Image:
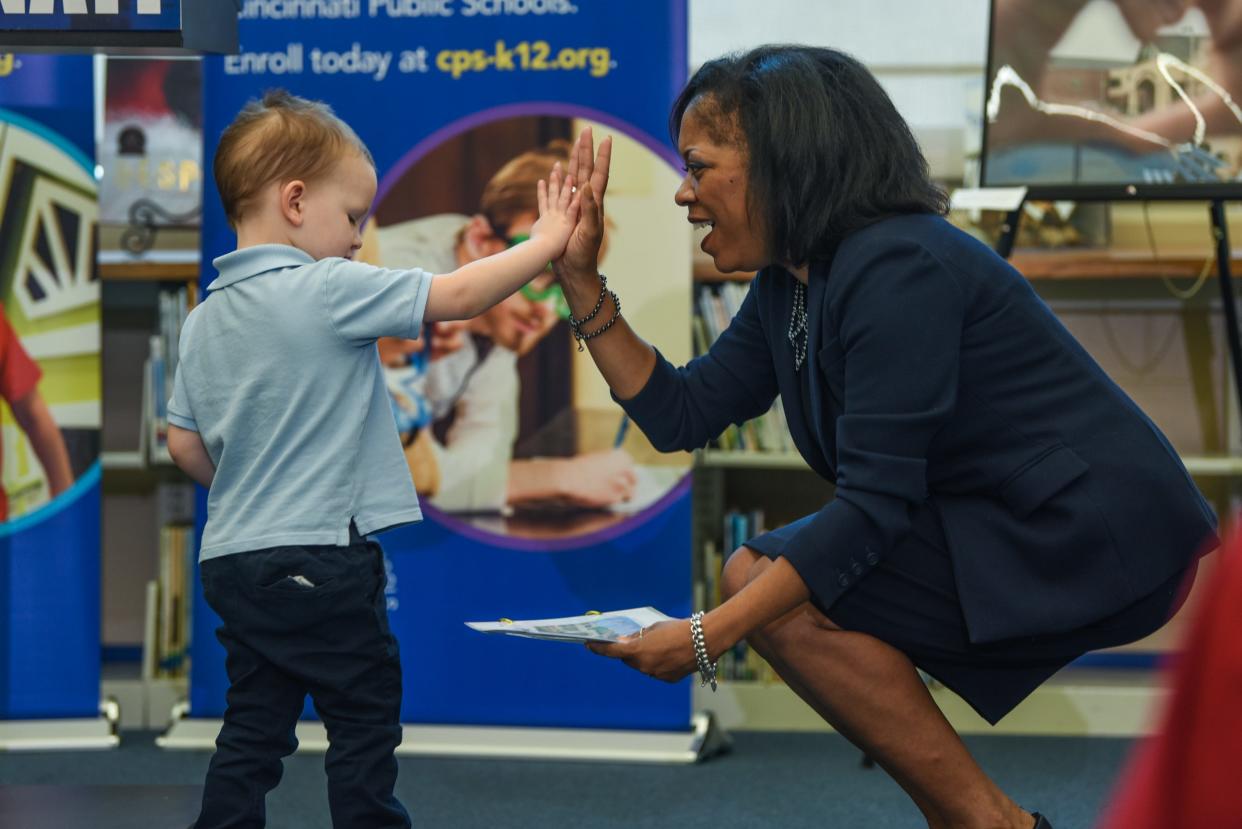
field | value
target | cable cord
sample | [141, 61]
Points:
[1193, 290]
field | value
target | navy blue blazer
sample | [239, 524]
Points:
[939, 377]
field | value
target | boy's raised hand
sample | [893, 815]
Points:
[558, 212]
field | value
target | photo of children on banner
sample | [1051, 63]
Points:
[49, 311]
[19, 386]
[499, 385]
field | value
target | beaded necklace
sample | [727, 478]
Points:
[798, 333]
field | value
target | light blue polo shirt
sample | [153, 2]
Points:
[280, 376]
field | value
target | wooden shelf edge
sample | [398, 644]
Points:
[132, 459]
[1066, 264]
[706, 272]
[734, 459]
[1203, 466]
[1213, 465]
[1070, 704]
[152, 271]
[1114, 264]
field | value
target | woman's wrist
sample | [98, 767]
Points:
[577, 280]
[720, 631]
[581, 290]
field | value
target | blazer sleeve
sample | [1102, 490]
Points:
[898, 312]
[683, 408]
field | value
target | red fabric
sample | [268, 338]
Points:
[137, 87]
[1189, 775]
[18, 377]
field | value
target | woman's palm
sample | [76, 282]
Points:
[582, 251]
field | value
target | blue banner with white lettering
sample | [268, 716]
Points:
[91, 15]
[50, 385]
[538, 499]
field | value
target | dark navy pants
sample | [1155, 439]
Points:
[298, 621]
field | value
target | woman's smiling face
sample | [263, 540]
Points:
[716, 189]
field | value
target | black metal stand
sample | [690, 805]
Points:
[1009, 232]
[1220, 230]
[143, 213]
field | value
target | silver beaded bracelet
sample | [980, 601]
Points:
[707, 668]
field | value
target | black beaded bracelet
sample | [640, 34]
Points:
[582, 336]
[599, 303]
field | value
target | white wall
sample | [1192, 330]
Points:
[928, 54]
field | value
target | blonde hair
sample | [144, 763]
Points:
[278, 139]
[511, 191]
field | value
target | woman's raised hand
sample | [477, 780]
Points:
[581, 257]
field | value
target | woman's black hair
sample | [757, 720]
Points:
[828, 152]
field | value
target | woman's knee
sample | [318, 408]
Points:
[737, 572]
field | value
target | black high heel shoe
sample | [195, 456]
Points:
[1041, 822]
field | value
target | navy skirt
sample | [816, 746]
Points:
[910, 601]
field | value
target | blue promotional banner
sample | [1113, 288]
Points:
[91, 15]
[50, 385]
[539, 501]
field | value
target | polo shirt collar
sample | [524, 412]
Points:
[247, 262]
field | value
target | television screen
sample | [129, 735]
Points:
[1114, 98]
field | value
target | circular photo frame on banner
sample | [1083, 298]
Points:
[509, 432]
[49, 318]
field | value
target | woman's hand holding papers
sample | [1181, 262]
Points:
[663, 650]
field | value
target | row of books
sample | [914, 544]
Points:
[168, 604]
[738, 527]
[161, 367]
[715, 305]
[740, 662]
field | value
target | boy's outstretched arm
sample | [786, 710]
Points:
[473, 288]
[189, 453]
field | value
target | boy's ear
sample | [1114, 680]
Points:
[478, 239]
[291, 195]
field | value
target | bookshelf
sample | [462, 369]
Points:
[155, 297]
[148, 504]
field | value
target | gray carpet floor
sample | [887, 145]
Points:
[768, 780]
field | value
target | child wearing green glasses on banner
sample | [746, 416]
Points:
[543, 288]
[471, 386]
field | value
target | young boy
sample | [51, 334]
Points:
[279, 407]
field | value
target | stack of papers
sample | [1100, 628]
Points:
[593, 627]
